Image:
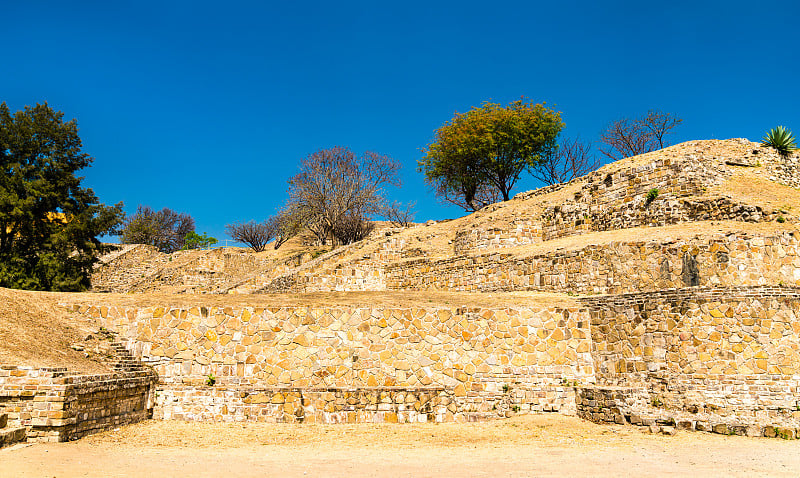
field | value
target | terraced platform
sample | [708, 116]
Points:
[661, 290]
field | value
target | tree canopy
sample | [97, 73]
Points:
[164, 229]
[479, 155]
[49, 224]
[336, 191]
[256, 235]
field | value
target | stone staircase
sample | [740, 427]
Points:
[10, 435]
[124, 360]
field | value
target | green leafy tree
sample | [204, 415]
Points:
[194, 240]
[49, 224]
[479, 155]
[164, 229]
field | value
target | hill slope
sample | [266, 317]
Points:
[698, 195]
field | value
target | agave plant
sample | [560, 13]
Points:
[781, 139]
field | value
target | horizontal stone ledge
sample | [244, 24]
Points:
[706, 292]
[248, 388]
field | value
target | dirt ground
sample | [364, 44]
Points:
[539, 445]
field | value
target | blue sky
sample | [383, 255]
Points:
[207, 107]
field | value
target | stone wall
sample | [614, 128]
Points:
[490, 360]
[616, 200]
[731, 351]
[57, 406]
[619, 199]
[627, 405]
[297, 405]
[725, 354]
[617, 267]
[325, 274]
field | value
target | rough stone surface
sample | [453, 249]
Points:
[49, 404]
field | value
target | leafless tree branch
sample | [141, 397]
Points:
[628, 137]
[571, 159]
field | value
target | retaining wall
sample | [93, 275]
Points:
[614, 268]
[730, 351]
[484, 357]
[57, 406]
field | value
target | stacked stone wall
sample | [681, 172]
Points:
[295, 405]
[619, 200]
[490, 360]
[129, 266]
[617, 267]
[728, 351]
[57, 406]
[634, 406]
[725, 354]
[364, 273]
[520, 232]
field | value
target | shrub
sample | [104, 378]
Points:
[351, 228]
[781, 139]
[255, 235]
[651, 196]
[194, 240]
[164, 229]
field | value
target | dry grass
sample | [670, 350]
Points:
[747, 186]
[404, 299]
[35, 332]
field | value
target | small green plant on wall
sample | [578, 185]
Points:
[651, 196]
[780, 138]
[211, 380]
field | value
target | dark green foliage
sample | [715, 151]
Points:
[164, 229]
[49, 224]
[781, 139]
[194, 240]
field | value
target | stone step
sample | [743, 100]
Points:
[9, 436]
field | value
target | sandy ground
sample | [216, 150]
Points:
[544, 445]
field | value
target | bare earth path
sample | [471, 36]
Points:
[522, 446]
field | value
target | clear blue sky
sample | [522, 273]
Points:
[207, 107]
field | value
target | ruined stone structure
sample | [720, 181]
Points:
[717, 355]
[55, 405]
[695, 328]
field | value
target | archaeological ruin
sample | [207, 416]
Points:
[661, 291]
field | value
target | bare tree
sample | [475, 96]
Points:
[571, 159]
[352, 228]
[334, 186]
[400, 215]
[628, 137]
[256, 235]
[288, 224]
